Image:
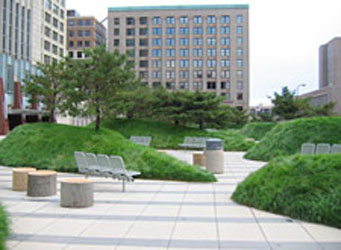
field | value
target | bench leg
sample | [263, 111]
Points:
[123, 185]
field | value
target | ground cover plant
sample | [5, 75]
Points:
[257, 130]
[167, 135]
[301, 186]
[286, 138]
[51, 146]
[4, 227]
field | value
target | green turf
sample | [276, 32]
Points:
[257, 130]
[166, 135]
[300, 186]
[286, 138]
[51, 146]
[4, 227]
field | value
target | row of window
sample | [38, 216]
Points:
[210, 19]
[224, 63]
[79, 22]
[184, 74]
[51, 33]
[79, 44]
[55, 8]
[185, 52]
[171, 31]
[80, 33]
[55, 22]
[53, 48]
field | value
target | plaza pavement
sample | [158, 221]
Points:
[158, 215]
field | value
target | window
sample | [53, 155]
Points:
[170, 74]
[71, 44]
[211, 19]
[211, 63]
[48, 19]
[156, 74]
[143, 42]
[211, 85]
[131, 52]
[211, 30]
[80, 22]
[197, 85]
[71, 33]
[211, 74]
[47, 59]
[80, 43]
[170, 85]
[184, 52]
[87, 43]
[55, 9]
[87, 22]
[170, 20]
[184, 41]
[211, 41]
[80, 33]
[130, 32]
[156, 63]
[184, 31]
[197, 19]
[143, 20]
[197, 74]
[47, 45]
[157, 42]
[225, 52]
[197, 63]
[239, 85]
[184, 85]
[197, 52]
[239, 29]
[170, 31]
[225, 74]
[239, 18]
[61, 26]
[116, 42]
[130, 42]
[184, 63]
[170, 42]
[143, 31]
[170, 52]
[116, 32]
[225, 19]
[197, 30]
[130, 21]
[239, 96]
[239, 40]
[170, 63]
[61, 52]
[222, 85]
[239, 52]
[183, 74]
[225, 30]
[47, 31]
[157, 20]
[143, 64]
[156, 52]
[79, 54]
[71, 54]
[48, 4]
[211, 52]
[143, 74]
[197, 41]
[87, 33]
[143, 52]
[54, 49]
[239, 73]
[184, 20]
[225, 41]
[156, 84]
[239, 63]
[55, 22]
[157, 31]
[61, 39]
[116, 21]
[225, 63]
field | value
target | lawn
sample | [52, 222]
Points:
[257, 130]
[4, 227]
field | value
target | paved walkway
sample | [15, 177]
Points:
[158, 215]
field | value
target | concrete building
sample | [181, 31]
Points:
[31, 32]
[83, 32]
[190, 47]
[329, 76]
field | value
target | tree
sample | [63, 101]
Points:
[97, 81]
[48, 86]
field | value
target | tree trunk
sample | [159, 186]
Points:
[201, 125]
[98, 120]
[52, 118]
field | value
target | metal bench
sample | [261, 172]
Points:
[194, 142]
[141, 140]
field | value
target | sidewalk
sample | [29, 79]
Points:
[158, 215]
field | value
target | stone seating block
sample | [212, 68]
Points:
[77, 193]
[42, 183]
[19, 178]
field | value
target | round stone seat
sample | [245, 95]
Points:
[76, 193]
[42, 183]
[199, 159]
[19, 178]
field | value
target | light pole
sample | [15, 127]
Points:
[298, 87]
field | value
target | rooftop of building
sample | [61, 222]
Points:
[180, 7]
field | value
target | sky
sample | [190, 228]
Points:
[285, 36]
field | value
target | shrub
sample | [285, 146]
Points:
[257, 130]
[4, 227]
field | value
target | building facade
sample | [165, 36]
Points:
[191, 47]
[83, 32]
[31, 32]
[329, 76]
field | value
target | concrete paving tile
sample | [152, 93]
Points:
[38, 246]
[240, 232]
[198, 211]
[285, 232]
[151, 230]
[29, 225]
[116, 229]
[191, 231]
[295, 245]
[139, 247]
[88, 247]
[323, 233]
[157, 210]
[66, 227]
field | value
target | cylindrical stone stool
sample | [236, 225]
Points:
[42, 183]
[19, 178]
[199, 159]
[214, 155]
[76, 193]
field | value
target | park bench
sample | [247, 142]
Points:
[194, 142]
[104, 166]
[141, 140]
[320, 148]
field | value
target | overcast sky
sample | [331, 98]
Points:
[284, 37]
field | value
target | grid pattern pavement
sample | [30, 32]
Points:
[158, 215]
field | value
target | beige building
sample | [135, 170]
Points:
[83, 32]
[329, 76]
[190, 47]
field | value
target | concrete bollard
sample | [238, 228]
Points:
[214, 155]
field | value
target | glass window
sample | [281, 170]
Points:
[156, 52]
[157, 20]
[211, 19]
[61, 39]
[157, 31]
[197, 63]
[211, 63]
[211, 30]
[71, 33]
[184, 52]
[143, 52]
[80, 43]
[143, 74]
[184, 63]
[54, 49]
[170, 85]
[130, 21]
[197, 41]
[239, 40]
[211, 41]
[239, 52]
[156, 74]
[225, 30]
[184, 85]
[55, 22]
[116, 20]
[116, 32]
[87, 33]
[184, 41]
[170, 63]
[225, 41]
[211, 85]
[55, 8]
[156, 63]
[197, 85]
[197, 19]
[143, 31]
[157, 42]
[131, 52]
[184, 20]
[156, 85]
[61, 26]
[211, 52]
[130, 32]
[184, 31]
[143, 63]
[225, 63]
[197, 30]
[225, 19]
[47, 45]
[239, 29]
[170, 20]
[239, 18]
[225, 74]
[225, 52]
[48, 4]
[48, 19]
[47, 31]
[71, 44]
[143, 42]
[143, 20]
[88, 22]
[80, 33]
[197, 74]
[170, 31]
[117, 42]
[239, 73]
[170, 74]
[183, 74]
[239, 63]
[170, 52]
[240, 96]
[80, 22]
[170, 42]
[197, 52]
[240, 85]
[130, 42]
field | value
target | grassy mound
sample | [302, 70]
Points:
[51, 146]
[286, 138]
[4, 227]
[166, 135]
[300, 186]
[257, 130]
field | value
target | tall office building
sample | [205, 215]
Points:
[190, 47]
[31, 31]
[83, 32]
[329, 76]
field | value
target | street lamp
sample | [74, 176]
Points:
[298, 86]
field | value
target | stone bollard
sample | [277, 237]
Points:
[76, 193]
[42, 183]
[214, 156]
[19, 178]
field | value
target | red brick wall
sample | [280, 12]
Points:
[17, 96]
[3, 120]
